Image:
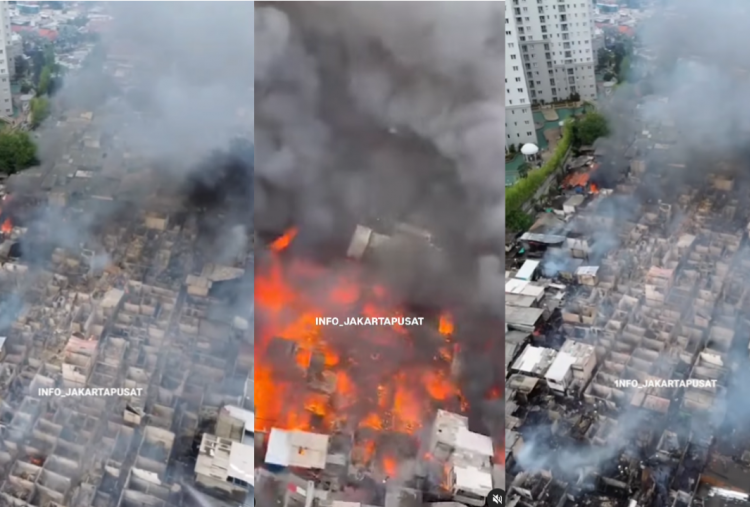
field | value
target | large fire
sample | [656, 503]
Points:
[329, 378]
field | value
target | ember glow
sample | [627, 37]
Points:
[379, 378]
[284, 241]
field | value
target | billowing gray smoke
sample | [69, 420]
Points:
[570, 460]
[705, 71]
[189, 101]
[353, 99]
[697, 83]
[194, 88]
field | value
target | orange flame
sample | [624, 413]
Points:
[594, 188]
[445, 326]
[439, 387]
[7, 226]
[499, 455]
[390, 466]
[334, 377]
[282, 243]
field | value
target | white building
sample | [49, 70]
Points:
[467, 457]
[574, 364]
[6, 100]
[555, 38]
[225, 465]
[226, 461]
[519, 121]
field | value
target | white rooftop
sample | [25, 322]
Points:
[447, 427]
[527, 270]
[473, 480]
[242, 462]
[523, 288]
[474, 442]
[298, 449]
[560, 367]
[535, 360]
[243, 415]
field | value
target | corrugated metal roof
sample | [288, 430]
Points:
[526, 317]
[549, 239]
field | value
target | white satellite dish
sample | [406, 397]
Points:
[529, 149]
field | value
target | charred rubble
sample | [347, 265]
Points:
[340, 460]
[109, 286]
[640, 274]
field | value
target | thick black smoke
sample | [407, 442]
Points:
[225, 180]
[379, 113]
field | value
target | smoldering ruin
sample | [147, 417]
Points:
[639, 277]
[126, 262]
[376, 193]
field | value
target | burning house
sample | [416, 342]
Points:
[336, 417]
[364, 212]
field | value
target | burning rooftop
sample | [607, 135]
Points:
[342, 405]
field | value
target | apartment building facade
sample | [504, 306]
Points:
[555, 39]
[6, 99]
[519, 121]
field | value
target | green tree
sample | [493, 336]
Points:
[45, 79]
[49, 58]
[589, 128]
[39, 111]
[518, 221]
[17, 151]
[523, 171]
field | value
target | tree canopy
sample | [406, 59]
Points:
[589, 128]
[39, 111]
[17, 151]
[45, 79]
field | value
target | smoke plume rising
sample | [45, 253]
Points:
[696, 82]
[380, 113]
